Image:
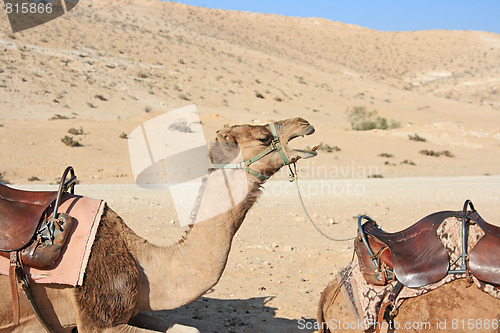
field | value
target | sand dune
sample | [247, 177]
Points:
[108, 66]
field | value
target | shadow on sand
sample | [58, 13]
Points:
[251, 315]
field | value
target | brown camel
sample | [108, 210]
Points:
[126, 275]
[453, 307]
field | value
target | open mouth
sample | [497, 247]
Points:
[309, 151]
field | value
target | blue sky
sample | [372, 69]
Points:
[401, 15]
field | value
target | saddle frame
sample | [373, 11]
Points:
[466, 216]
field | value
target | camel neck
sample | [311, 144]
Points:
[181, 273]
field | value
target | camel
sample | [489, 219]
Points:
[454, 307]
[126, 275]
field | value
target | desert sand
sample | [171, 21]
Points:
[108, 66]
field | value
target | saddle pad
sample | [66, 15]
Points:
[70, 267]
[371, 297]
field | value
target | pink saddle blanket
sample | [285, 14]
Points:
[70, 267]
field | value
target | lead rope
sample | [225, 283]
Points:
[294, 176]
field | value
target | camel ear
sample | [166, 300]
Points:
[224, 135]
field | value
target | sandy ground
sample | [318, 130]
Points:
[279, 264]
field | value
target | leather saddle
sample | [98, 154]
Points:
[25, 221]
[20, 214]
[484, 261]
[33, 232]
[416, 257]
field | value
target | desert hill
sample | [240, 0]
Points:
[100, 71]
[108, 66]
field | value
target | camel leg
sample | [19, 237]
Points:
[182, 329]
[140, 323]
[126, 328]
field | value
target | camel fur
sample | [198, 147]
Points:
[457, 306]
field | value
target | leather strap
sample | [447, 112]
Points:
[280, 148]
[26, 288]
[390, 301]
[380, 316]
[13, 287]
[17, 276]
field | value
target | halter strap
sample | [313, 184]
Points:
[279, 148]
[245, 165]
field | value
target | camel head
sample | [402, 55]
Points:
[264, 148]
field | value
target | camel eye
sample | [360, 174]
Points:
[265, 140]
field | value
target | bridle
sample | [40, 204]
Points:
[245, 165]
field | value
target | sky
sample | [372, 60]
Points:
[385, 15]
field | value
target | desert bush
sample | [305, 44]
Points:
[58, 117]
[33, 179]
[416, 137]
[363, 120]
[446, 153]
[123, 135]
[184, 97]
[142, 75]
[75, 131]
[387, 155]
[300, 79]
[376, 175]
[69, 141]
[101, 97]
[181, 126]
[326, 147]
